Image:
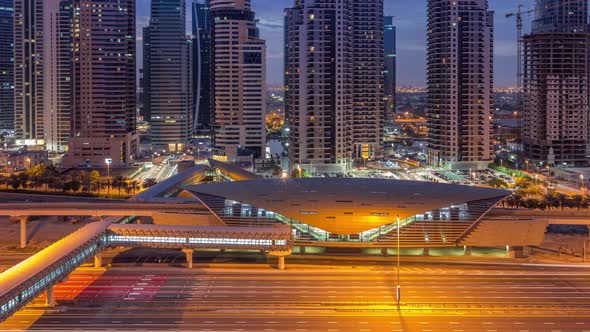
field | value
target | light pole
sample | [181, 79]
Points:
[398, 288]
[108, 161]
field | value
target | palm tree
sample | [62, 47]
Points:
[561, 200]
[4, 181]
[550, 200]
[134, 185]
[119, 182]
[149, 182]
[578, 201]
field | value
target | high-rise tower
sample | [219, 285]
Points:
[170, 76]
[238, 79]
[6, 64]
[334, 82]
[103, 78]
[57, 78]
[555, 83]
[28, 71]
[389, 42]
[146, 80]
[202, 64]
[460, 83]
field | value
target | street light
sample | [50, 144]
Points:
[398, 288]
[108, 161]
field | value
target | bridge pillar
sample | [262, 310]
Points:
[23, 231]
[98, 260]
[515, 252]
[426, 252]
[189, 257]
[467, 251]
[384, 251]
[281, 262]
[50, 299]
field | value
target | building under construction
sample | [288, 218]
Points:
[556, 65]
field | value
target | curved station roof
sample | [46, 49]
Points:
[347, 205]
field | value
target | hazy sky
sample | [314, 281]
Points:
[411, 37]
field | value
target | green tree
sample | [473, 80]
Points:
[14, 181]
[532, 203]
[578, 201]
[72, 185]
[94, 179]
[4, 181]
[149, 182]
[497, 183]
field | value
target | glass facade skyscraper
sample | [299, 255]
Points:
[6, 64]
[201, 28]
[170, 76]
[389, 43]
[28, 71]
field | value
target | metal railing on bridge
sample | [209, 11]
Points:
[25, 281]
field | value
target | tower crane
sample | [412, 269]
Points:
[518, 14]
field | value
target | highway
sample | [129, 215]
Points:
[250, 297]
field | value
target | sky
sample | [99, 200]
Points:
[410, 18]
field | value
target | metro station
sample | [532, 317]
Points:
[221, 207]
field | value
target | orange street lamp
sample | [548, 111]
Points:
[398, 288]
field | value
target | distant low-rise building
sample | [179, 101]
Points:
[20, 160]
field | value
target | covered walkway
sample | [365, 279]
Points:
[25, 281]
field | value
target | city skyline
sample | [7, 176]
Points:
[411, 37]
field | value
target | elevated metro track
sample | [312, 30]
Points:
[98, 209]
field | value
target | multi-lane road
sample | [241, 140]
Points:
[230, 297]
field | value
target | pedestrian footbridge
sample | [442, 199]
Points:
[25, 281]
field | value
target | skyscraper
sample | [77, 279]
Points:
[28, 70]
[201, 25]
[367, 82]
[460, 83]
[170, 76]
[334, 82]
[6, 64]
[146, 80]
[57, 78]
[238, 79]
[389, 40]
[555, 83]
[103, 76]
[560, 16]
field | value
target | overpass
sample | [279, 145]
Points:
[96, 209]
[551, 217]
[22, 283]
[519, 227]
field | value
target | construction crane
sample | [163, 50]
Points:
[518, 14]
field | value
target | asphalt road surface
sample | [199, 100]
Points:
[230, 297]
